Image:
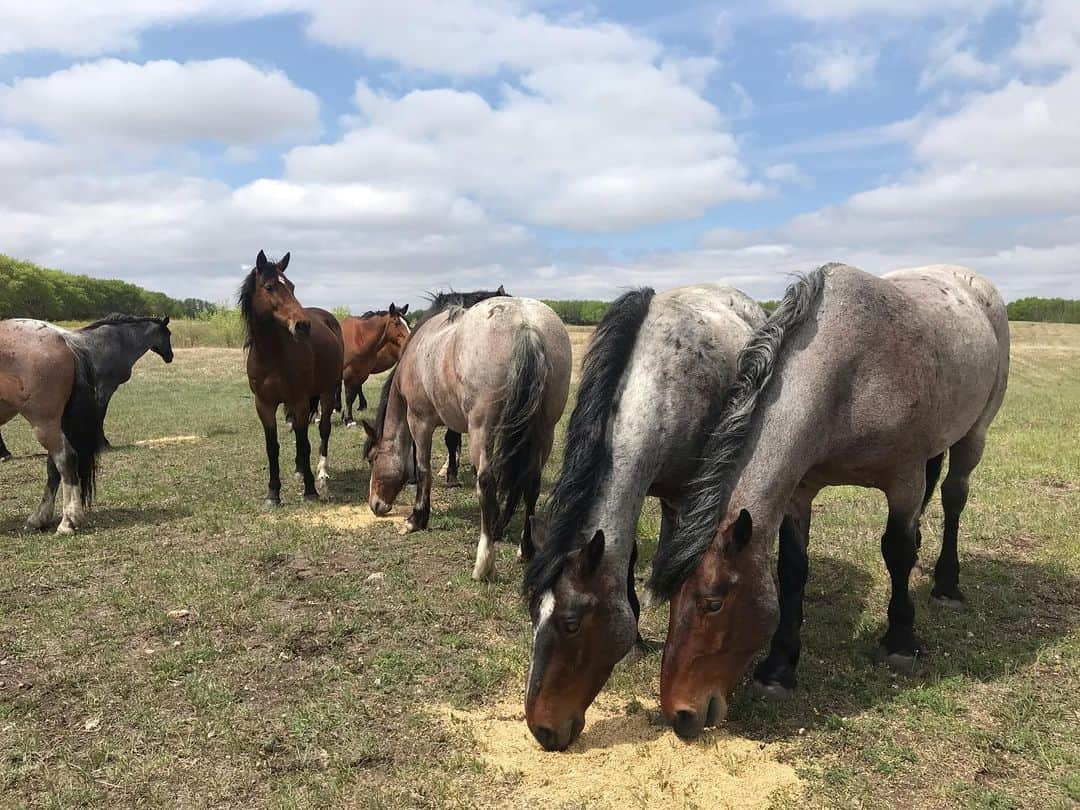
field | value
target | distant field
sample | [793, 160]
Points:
[189, 649]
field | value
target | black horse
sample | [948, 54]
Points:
[438, 303]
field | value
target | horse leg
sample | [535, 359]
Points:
[301, 420]
[69, 473]
[453, 449]
[487, 494]
[105, 443]
[775, 677]
[901, 646]
[325, 419]
[532, 494]
[43, 517]
[421, 435]
[5, 454]
[268, 417]
[933, 472]
[347, 413]
[964, 456]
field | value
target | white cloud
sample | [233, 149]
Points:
[1051, 37]
[85, 28]
[952, 58]
[834, 67]
[163, 103]
[848, 9]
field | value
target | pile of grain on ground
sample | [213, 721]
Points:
[163, 441]
[624, 758]
[348, 518]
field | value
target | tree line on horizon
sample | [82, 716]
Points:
[30, 291]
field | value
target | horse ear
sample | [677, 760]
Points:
[393, 309]
[741, 531]
[501, 290]
[594, 551]
[283, 263]
[261, 262]
[403, 311]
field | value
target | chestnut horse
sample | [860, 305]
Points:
[294, 358]
[499, 371]
[854, 380]
[373, 343]
[47, 377]
[650, 381]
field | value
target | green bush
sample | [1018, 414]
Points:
[1054, 310]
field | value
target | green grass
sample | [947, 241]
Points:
[294, 682]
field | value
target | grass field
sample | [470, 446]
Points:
[189, 649]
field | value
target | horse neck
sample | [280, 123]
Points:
[267, 335]
[395, 424]
[115, 348]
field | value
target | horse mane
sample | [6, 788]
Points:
[117, 319]
[442, 301]
[374, 313]
[708, 494]
[247, 312]
[588, 452]
[384, 401]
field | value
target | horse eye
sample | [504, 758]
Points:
[714, 605]
[268, 287]
[571, 626]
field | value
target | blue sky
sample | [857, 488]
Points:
[563, 150]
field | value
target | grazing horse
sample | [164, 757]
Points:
[437, 303]
[854, 380]
[47, 377]
[499, 371]
[655, 371]
[373, 343]
[294, 358]
[114, 344]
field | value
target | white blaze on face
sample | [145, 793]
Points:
[547, 607]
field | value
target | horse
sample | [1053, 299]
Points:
[854, 380]
[48, 378]
[114, 344]
[500, 371]
[5, 454]
[294, 358]
[437, 302]
[654, 371]
[373, 344]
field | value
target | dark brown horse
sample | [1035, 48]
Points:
[854, 380]
[373, 343]
[48, 377]
[294, 358]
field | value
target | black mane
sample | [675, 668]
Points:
[708, 495]
[374, 313]
[588, 454]
[247, 291]
[116, 319]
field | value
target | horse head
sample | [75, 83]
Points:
[268, 296]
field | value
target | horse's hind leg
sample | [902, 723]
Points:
[325, 420]
[43, 517]
[5, 454]
[487, 494]
[347, 419]
[453, 449]
[775, 677]
[933, 473]
[964, 456]
[902, 648]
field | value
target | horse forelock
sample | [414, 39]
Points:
[587, 456]
[708, 494]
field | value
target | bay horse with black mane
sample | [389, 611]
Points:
[499, 371]
[294, 358]
[654, 374]
[373, 343]
[854, 380]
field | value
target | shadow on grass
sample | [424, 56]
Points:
[1015, 608]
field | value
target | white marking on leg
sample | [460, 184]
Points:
[485, 557]
[444, 468]
[324, 472]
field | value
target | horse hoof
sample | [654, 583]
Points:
[481, 576]
[272, 503]
[65, 528]
[36, 526]
[452, 482]
[410, 527]
[770, 691]
[948, 602]
[5, 457]
[312, 497]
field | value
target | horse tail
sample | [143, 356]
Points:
[82, 422]
[516, 452]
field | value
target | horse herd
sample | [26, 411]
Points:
[733, 419]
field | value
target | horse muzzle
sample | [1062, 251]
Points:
[379, 507]
[689, 724]
[551, 739]
[301, 330]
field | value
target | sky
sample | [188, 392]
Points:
[564, 150]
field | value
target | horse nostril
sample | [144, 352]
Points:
[547, 738]
[380, 507]
[687, 725]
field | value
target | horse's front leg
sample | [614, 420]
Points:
[325, 423]
[301, 420]
[421, 434]
[775, 677]
[487, 494]
[268, 416]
